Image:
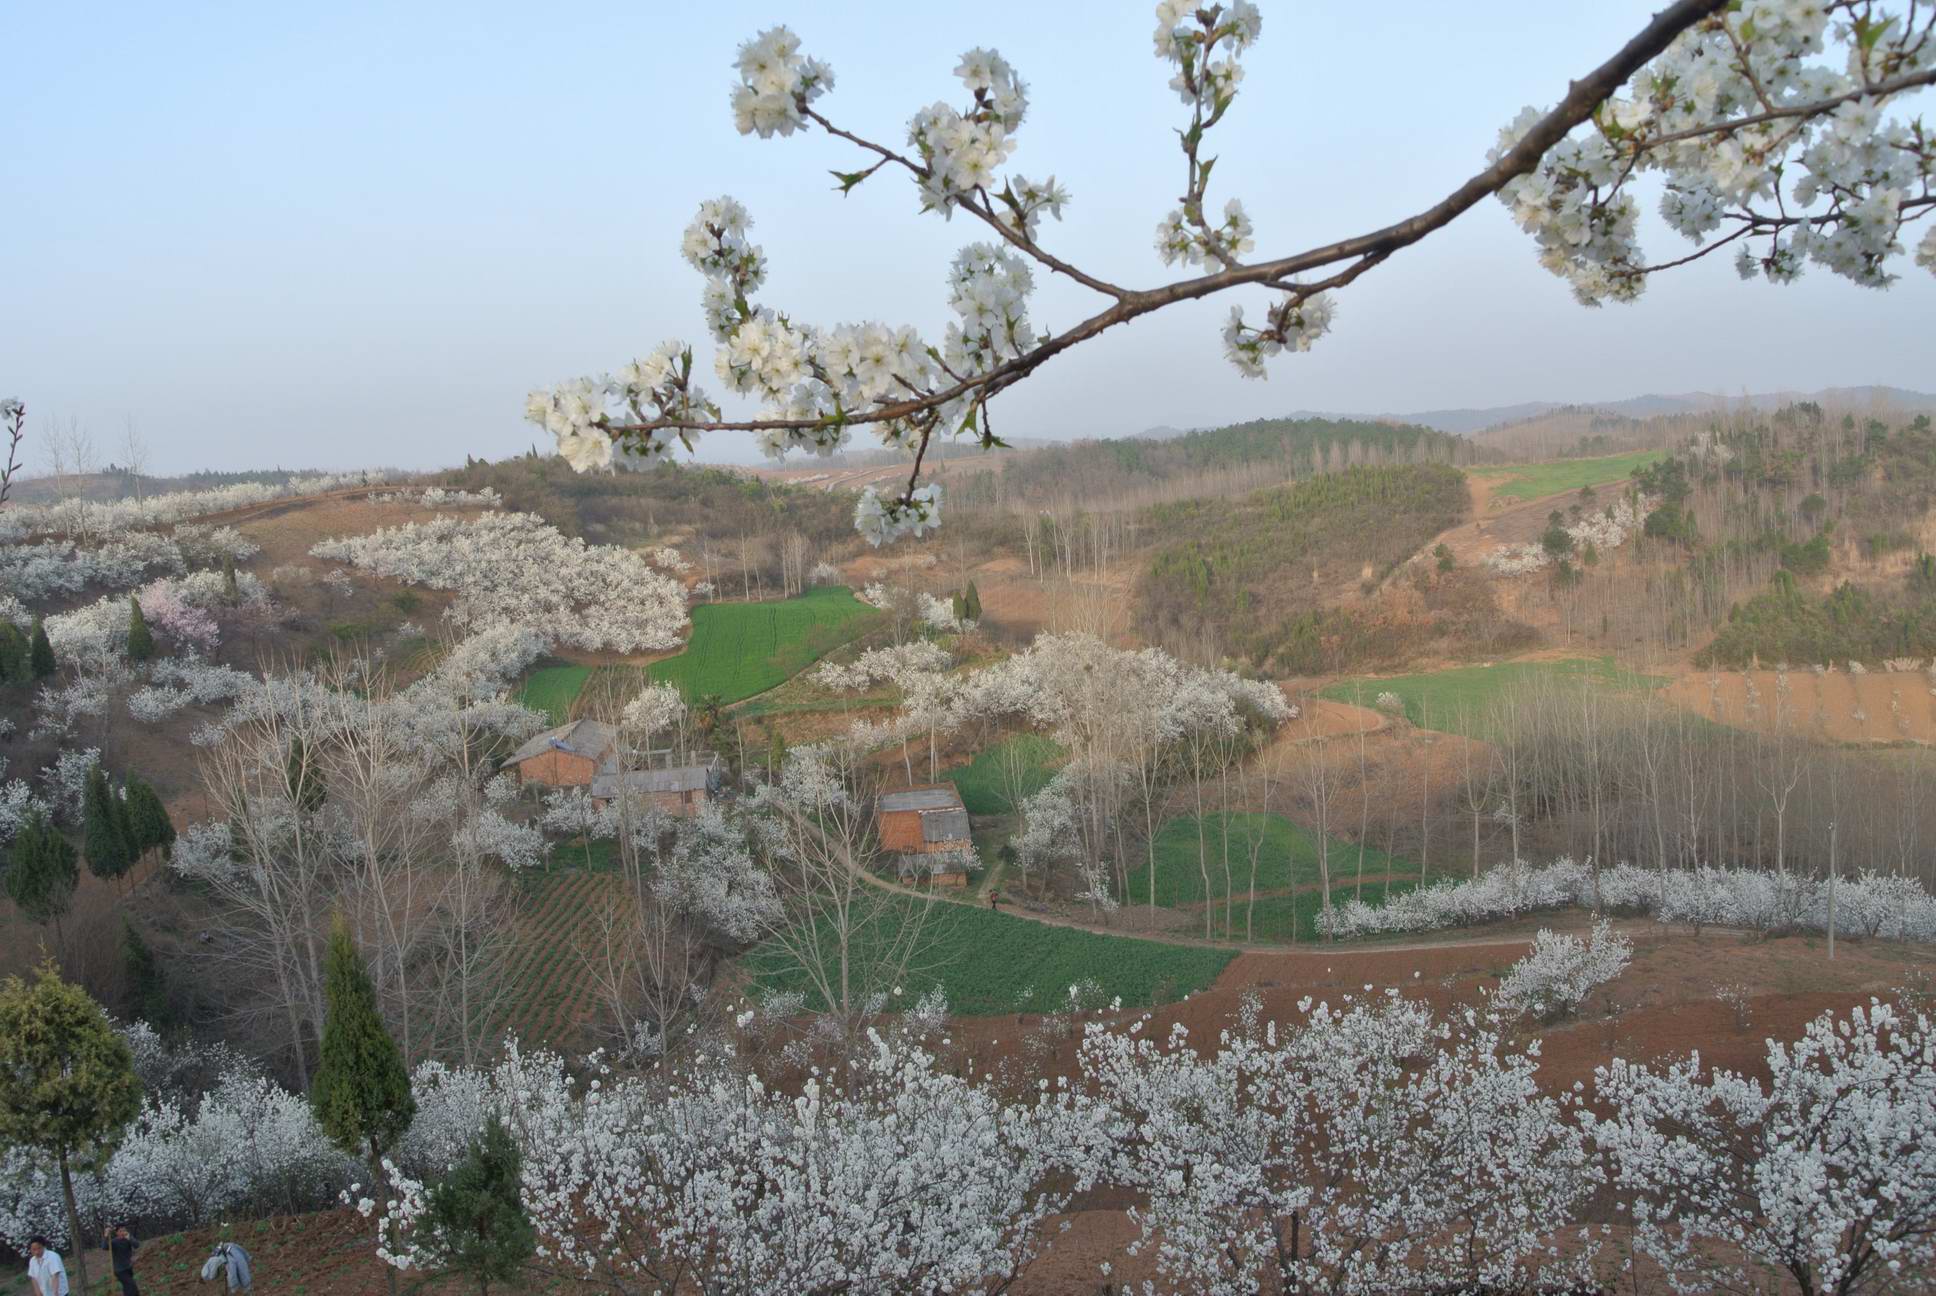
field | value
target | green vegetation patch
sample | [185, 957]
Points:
[1287, 856]
[991, 962]
[1535, 481]
[552, 689]
[739, 649]
[983, 782]
[1785, 623]
[1462, 700]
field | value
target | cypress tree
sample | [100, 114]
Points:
[15, 667]
[231, 595]
[475, 1217]
[361, 1093]
[959, 606]
[149, 827]
[147, 986]
[41, 655]
[105, 836]
[43, 872]
[67, 1082]
[305, 780]
[141, 640]
[974, 602]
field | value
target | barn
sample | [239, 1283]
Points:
[571, 755]
[682, 790]
[928, 822]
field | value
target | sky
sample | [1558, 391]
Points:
[356, 235]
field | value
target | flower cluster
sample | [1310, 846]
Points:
[885, 521]
[960, 152]
[776, 83]
[1294, 324]
[1756, 127]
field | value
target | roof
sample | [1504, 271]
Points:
[945, 825]
[590, 738]
[940, 796]
[684, 778]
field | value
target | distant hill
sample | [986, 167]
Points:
[1134, 471]
[1470, 422]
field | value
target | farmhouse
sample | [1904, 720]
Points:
[927, 827]
[571, 755]
[681, 790]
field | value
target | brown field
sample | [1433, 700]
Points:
[1880, 707]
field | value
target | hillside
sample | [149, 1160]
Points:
[1131, 471]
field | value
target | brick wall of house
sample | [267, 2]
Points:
[558, 769]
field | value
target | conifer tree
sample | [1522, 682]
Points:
[361, 1092]
[231, 594]
[959, 606]
[475, 1219]
[42, 872]
[974, 602]
[141, 640]
[149, 827]
[305, 781]
[105, 836]
[67, 1082]
[147, 984]
[15, 666]
[41, 654]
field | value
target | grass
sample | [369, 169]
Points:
[1287, 858]
[740, 649]
[989, 962]
[1461, 700]
[980, 780]
[552, 690]
[1535, 481]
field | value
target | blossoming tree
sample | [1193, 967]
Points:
[1770, 125]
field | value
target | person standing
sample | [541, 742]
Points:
[44, 1269]
[121, 1247]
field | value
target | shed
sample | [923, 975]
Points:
[681, 790]
[569, 756]
[923, 820]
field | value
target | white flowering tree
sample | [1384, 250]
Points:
[1770, 125]
[1827, 1172]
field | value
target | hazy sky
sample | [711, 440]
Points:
[356, 234]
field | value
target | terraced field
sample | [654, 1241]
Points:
[550, 990]
[739, 649]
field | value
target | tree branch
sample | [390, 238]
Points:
[1582, 98]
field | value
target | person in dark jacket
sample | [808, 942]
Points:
[121, 1247]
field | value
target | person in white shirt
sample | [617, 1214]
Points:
[45, 1270]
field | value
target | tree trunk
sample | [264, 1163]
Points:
[73, 1220]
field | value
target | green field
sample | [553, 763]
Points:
[980, 780]
[552, 689]
[1535, 481]
[989, 962]
[1461, 700]
[739, 649]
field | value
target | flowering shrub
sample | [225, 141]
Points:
[96, 517]
[1555, 979]
[515, 569]
[1605, 531]
[1869, 904]
[896, 664]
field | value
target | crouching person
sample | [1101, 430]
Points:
[231, 1261]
